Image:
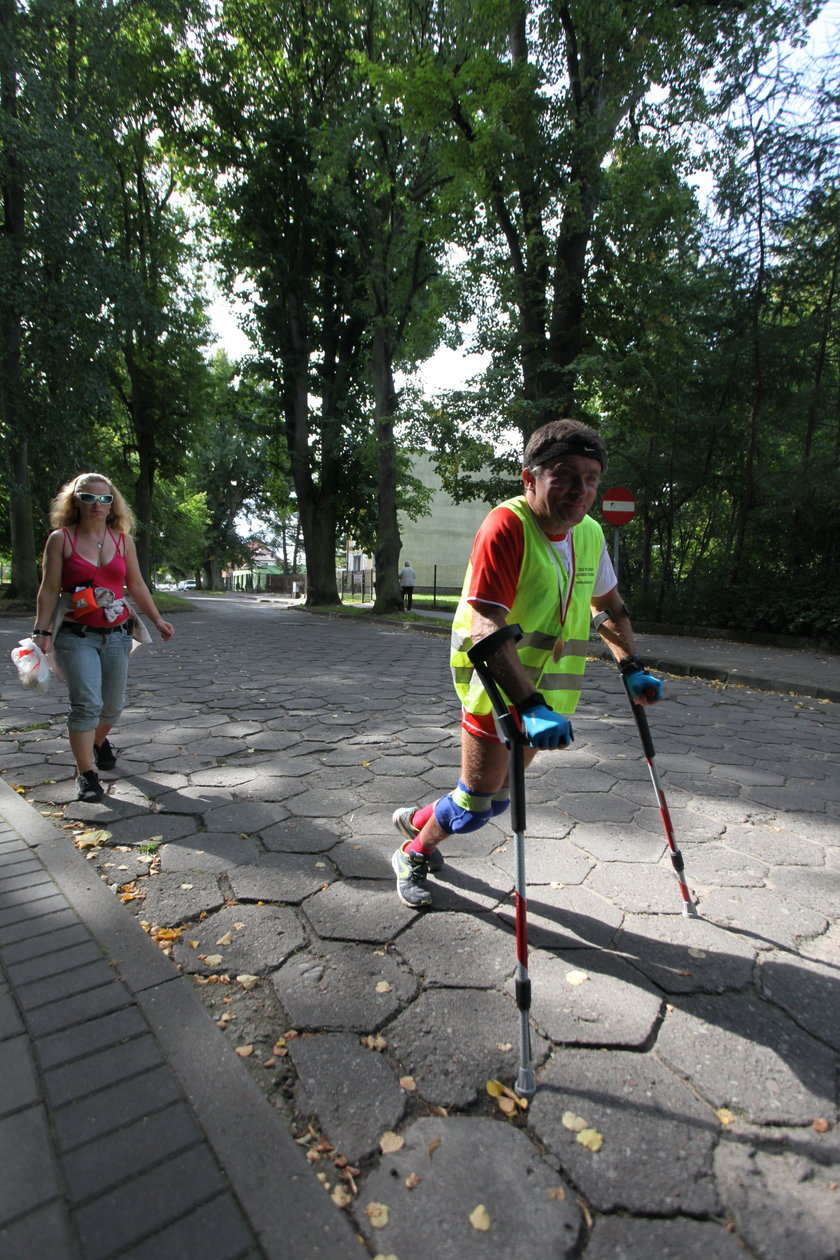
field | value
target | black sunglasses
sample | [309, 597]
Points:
[84, 497]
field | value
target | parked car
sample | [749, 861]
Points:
[189, 585]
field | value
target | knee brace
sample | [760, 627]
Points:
[463, 810]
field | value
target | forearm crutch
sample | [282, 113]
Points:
[688, 907]
[515, 740]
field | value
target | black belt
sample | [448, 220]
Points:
[81, 631]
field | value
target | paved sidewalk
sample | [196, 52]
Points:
[287, 1062]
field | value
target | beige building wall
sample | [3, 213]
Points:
[439, 545]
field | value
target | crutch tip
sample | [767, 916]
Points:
[690, 910]
[526, 1085]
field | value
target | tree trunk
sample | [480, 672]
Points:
[387, 554]
[24, 583]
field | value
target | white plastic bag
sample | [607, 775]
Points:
[32, 667]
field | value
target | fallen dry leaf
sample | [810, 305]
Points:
[821, 1125]
[507, 1105]
[375, 1042]
[591, 1139]
[724, 1115]
[377, 1214]
[504, 1046]
[411, 1181]
[587, 1215]
[495, 1088]
[570, 1121]
[391, 1142]
[557, 1192]
[576, 977]
[341, 1196]
[244, 1052]
[408, 1082]
[480, 1218]
[212, 960]
[383, 986]
[227, 939]
[433, 1145]
[248, 982]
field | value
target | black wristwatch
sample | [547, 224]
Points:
[534, 701]
[631, 665]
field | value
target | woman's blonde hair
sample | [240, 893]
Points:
[64, 510]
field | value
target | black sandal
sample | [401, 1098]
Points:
[88, 787]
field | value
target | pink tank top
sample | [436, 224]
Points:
[78, 571]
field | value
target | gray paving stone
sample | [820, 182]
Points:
[335, 986]
[626, 1238]
[683, 955]
[261, 939]
[49, 916]
[303, 835]
[122, 1217]
[357, 910]
[777, 847]
[245, 817]
[548, 861]
[10, 1021]
[64, 956]
[658, 1139]
[18, 1080]
[281, 877]
[455, 1040]
[112, 1028]
[71, 995]
[25, 1137]
[323, 803]
[817, 889]
[562, 918]
[208, 851]
[194, 800]
[741, 1053]
[151, 828]
[113, 1107]
[170, 900]
[461, 1164]
[101, 1068]
[458, 950]
[608, 843]
[716, 866]
[353, 1092]
[469, 884]
[767, 918]
[134, 1148]
[215, 1231]
[43, 1232]
[783, 1204]
[808, 991]
[614, 1006]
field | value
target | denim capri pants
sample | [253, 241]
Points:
[95, 667]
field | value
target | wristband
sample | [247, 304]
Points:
[631, 665]
[44, 634]
[531, 702]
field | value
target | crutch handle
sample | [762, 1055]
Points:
[641, 721]
[479, 655]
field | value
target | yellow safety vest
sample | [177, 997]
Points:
[552, 651]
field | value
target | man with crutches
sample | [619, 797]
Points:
[539, 562]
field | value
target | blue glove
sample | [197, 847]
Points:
[547, 729]
[642, 684]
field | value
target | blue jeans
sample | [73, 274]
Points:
[95, 667]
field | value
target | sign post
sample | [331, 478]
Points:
[618, 507]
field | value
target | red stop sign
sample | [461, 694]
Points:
[618, 506]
